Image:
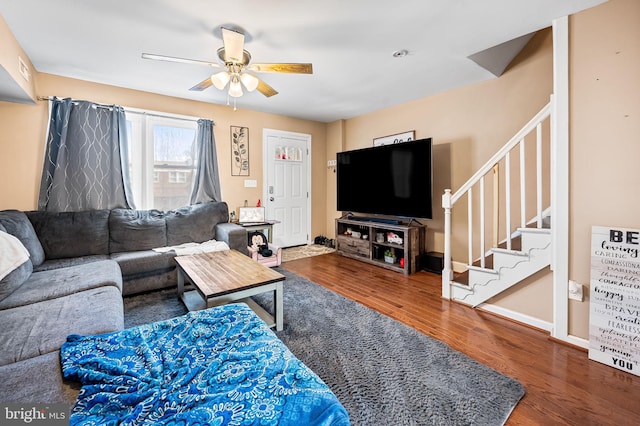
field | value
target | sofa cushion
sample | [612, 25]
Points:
[47, 285]
[15, 279]
[149, 282]
[17, 224]
[37, 379]
[132, 230]
[43, 327]
[195, 223]
[136, 263]
[72, 234]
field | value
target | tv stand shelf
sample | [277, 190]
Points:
[406, 243]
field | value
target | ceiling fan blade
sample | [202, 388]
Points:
[179, 60]
[233, 45]
[288, 68]
[204, 84]
[265, 89]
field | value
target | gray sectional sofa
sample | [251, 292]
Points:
[80, 266]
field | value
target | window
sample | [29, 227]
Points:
[177, 177]
[162, 160]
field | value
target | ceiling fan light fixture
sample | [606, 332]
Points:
[250, 82]
[220, 79]
[235, 88]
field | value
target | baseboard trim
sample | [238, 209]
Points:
[517, 317]
[575, 341]
[578, 341]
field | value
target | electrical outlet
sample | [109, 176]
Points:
[331, 163]
[575, 291]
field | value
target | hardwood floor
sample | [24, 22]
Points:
[563, 387]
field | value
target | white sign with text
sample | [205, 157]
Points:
[614, 324]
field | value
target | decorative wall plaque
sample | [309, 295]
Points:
[614, 320]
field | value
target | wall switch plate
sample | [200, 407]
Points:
[575, 291]
[250, 183]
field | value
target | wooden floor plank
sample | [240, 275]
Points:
[563, 387]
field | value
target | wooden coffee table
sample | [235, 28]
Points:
[227, 276]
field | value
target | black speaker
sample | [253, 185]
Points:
[433, 261]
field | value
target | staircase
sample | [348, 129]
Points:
[499, 253]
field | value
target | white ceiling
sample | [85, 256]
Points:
[350, 44]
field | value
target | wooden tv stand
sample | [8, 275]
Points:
[371, 249]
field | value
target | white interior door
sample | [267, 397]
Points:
[287, 185]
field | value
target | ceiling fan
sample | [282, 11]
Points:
[237, 72]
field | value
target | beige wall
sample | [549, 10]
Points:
[335, 143]
[24, 126]
[604, 132]
[10, 50]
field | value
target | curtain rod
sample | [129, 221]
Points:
[138, 111]
[98, 105]
[161, 114]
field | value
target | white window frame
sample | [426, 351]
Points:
[142, 123]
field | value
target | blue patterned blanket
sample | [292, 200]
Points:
[220, 366]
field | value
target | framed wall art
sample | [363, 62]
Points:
[397, 138]
[239, 151]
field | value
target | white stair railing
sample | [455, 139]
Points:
[449, 199]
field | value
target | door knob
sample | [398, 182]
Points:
[270, 198]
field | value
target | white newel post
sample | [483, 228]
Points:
[447, 273]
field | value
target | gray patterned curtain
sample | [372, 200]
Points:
[206, 182]
[86, 159]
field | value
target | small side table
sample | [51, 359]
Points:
[267, 226]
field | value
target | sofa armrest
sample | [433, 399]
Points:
[234, 235]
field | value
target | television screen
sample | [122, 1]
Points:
[392, 180]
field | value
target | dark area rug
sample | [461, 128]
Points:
[383, 372]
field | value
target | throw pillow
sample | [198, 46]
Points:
[17, 224]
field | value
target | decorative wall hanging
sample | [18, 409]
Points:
[398, 138]
[614, 335]
[239, 151]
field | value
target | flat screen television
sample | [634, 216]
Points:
[391, 180]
